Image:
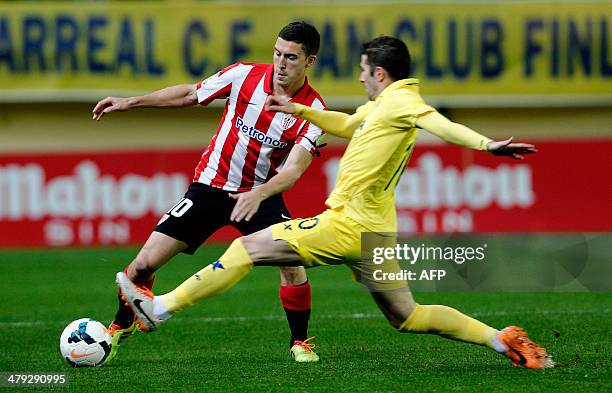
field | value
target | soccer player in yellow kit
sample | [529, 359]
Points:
[382, 134]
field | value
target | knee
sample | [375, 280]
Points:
[249, 242]
[237, 254]
[293, 275]
[265, 251]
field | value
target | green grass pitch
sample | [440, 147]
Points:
[238, 341]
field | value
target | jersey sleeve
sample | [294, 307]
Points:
[218, 85]
[455, 133]
[404, 111]
[310, 134]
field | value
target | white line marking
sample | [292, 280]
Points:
[315, 317]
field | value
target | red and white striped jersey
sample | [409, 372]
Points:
[251, 143]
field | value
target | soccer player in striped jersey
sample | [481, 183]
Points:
[382, 134]
[238, 180]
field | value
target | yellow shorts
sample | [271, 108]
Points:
[331, 238]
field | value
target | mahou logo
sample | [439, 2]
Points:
[26, 193]
[429, 185]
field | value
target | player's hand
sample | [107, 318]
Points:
[109, 104]
[247, 204]
[507, 148]
[277, 103]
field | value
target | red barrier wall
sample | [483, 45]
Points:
[103, 198]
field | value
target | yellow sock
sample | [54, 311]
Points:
[215, 278]
[448, 322]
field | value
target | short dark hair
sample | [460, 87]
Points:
[389, 53]
[302, 33]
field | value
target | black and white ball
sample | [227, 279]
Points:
[85, 343]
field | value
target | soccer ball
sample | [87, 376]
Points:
[85, 343]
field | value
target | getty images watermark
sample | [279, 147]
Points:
[500, 262]
[405, 253]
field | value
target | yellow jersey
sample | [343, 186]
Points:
[377, 155]
[383, 135]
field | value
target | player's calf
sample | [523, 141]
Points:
[156, 252]
[397, 305]
[296, 301]
[220, 275]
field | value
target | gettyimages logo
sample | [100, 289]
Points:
[412, 255]
[505, 262]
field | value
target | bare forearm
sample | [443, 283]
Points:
[282, 181]
[170, 97]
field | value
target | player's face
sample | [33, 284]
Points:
[290, 62]
[369, 81]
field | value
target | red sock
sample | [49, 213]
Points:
[297, 301]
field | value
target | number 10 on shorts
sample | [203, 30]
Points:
[177, 210]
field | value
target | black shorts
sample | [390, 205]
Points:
[205, 209]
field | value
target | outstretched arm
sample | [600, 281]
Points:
[461, 135]
[171, 97]
[336, 123]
